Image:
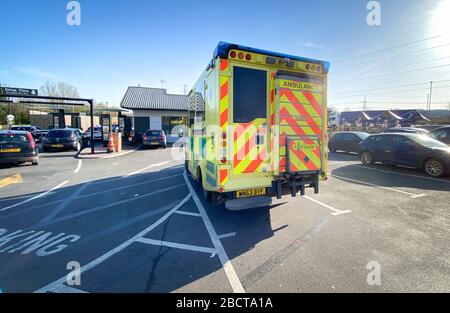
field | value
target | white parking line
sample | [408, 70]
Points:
[403, 174]
[147, 168]
[78, 167]
[411, 195]
[335, 211]
[227, 235]
[67, 289]
[235, 283]
[181, 246]
[188, 213]
[60, 282]
[121, 154]
[35, 197]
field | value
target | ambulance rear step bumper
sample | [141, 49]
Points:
[248, 203]
[294, 183]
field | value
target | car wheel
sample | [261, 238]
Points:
[78, 147]
[366, 158]
[35, 161]
[332, 149]
[434, 167]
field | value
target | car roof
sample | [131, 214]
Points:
[16, 132]
[440, 128]
[57, 129]
[410, 135]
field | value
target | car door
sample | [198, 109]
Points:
[382, 148]
[405, 151]
[353, 143]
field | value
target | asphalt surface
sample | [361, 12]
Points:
[136, 223]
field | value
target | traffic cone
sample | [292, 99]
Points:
[111, 147]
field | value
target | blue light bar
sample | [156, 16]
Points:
[223, 48]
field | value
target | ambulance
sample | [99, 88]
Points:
[257, 126]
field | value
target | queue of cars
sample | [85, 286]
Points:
[18, 145]
[409, 147]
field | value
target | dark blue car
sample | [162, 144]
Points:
[410, 150]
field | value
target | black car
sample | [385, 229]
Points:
[64, 139]
[34, 130]
[409, 130]
[442, 134]
[346, 141]
[18, 147]
[410, 150]
[155, 138]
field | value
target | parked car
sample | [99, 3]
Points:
[346, 141]
[64, 139]
[155, 138]
[35, 131]
[97, 133]
[410, 150]
[409, 130]
[18, 147]
[442, 134]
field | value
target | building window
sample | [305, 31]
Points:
[174, 124]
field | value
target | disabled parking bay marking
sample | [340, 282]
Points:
[60, 282]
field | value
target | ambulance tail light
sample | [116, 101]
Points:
[223, 160]
[221, 190]
[248, 57]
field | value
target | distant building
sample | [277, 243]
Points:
[154, 108]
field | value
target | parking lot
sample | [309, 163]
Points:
[137, 223]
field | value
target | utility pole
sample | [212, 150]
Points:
[428, 101]
[185, 89]
[163, 81]
[431, 93]
[365, 104]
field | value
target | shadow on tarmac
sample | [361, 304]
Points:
[106, 213]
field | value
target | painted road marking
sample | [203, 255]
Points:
[403, 174]
[127, 186]
[35, 197]
[147, 168]
[160, 243]
[15, 179]
[188, 213]
[227, 235]
[411, 195]
[122, 154]
[40, 242]
[335, 211]
[58, 209]
[88, 195]
[107, 206]
[57, 283]
[67, 289]
[80, 162]
[235, 283]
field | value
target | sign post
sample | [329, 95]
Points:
[17, 92]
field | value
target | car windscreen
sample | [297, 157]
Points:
[427, 141]
[13, 139]
[153, 133]
[59, 134]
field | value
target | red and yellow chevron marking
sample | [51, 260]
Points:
[300, 114]
[224, 91]
[304, 155]
[248, 156]
[223, 177]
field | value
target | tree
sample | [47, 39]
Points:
[63, 90]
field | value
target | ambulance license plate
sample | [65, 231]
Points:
[250, 193]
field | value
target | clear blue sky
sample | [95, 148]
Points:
[130, 42]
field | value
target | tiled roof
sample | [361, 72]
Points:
[144, 98]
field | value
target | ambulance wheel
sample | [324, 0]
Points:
[207, 195]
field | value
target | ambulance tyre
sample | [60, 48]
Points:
[207, 195]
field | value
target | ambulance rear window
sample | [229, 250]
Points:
[249, 94]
